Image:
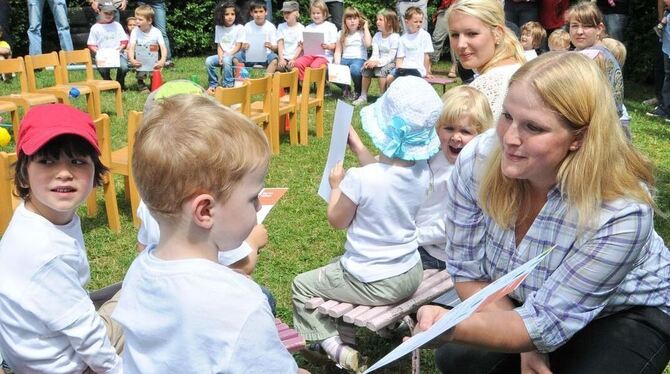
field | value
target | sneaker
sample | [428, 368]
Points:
[169, 64]
[657, 112]
[362, 100]
[651, 102]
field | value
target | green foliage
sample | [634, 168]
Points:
[191, 27]
[641, 41]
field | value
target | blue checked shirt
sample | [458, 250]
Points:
[618, 264]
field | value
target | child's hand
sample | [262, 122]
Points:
[267, 45]
[354, 141]
[366, 24]
[159, 65]
[245, 46]
[370, 64]
[291, 63]
[282, 62]
[336, 175]
[258, 237]
[135, 63]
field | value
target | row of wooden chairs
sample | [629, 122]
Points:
[279, 98]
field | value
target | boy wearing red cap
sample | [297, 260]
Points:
[48, 324]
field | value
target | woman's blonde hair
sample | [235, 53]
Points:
[320, 5]
[491, 13]
[468, 102]
[391, 19]
[350, 12]
[604, 168]
[189, 144]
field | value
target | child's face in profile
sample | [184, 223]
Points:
[381, 24]
[236, 217]
[454, 136]
[352, 23]
[59, 186]
[259, 15]
[526, 40]
[229, 16]
[414, 23]
[131, 25]
[317, 15]
[291, 18]
[143, 23]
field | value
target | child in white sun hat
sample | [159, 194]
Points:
[376, 203]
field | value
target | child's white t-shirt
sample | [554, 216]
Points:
[107, 35]
[330, 34]
[196, 316]
[292, 37]
[230, 36]
[149, 234]
[47, 321]
[354, 46]
[384, 50]
[413, 48]
[148, 43]
[430, 220]
[267, 29]
[382, 237]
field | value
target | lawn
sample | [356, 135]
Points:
[300, 237]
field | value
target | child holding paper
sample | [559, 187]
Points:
[261, 27]
[108, 34]
[146, 42]
[318, 11]
[289, 36]
[376, 203]
[352, 48]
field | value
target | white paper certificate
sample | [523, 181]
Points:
[338, 144]
[311, 43]
[147, 55]
[339, 74]
[107, 58]
[257, 51]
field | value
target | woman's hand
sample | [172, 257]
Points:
[426, 317]
[534, 362]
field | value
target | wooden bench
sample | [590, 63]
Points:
[376, 318]
[440, 81]
[289, 337]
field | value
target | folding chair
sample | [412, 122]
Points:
[261, 110]
[96, 85]
[122, 160]
[12, 109]
[284, 104]
[236, 98]
[306, 101]
[24, 99]
[8, 201]
[60, 89]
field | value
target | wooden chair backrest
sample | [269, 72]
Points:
[16, 66]
[284, 81]
[46, 60]
[317, 76]
[81, 56]
[230, 96]
[102, 130]
[8, 200]
[261, 86]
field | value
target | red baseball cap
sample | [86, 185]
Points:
[45, 122]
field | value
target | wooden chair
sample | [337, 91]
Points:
[261, 110]
[122, 164]
[236, 98]
[306, 101]
[440, 81]
[102, 129]
[60, 89]
[8, 201]
[96, 85]
[12, 109]
[25, 99]
[284, 104]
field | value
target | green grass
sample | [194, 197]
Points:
[300, 237]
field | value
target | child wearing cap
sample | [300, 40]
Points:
[181, 310]
[109, 34]
[289, 36]
[376, 203]
[48, 324]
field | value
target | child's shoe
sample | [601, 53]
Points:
[362, 100]
[343, 355]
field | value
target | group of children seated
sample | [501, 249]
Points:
[392, 55]
[186, 305]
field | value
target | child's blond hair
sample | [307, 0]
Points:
[350, 12]
[145, 11]
[617, 49]
[559, 40]
[468, 102]
[411, 11]
[537, 33]
[320, 5]
[390, 18]
[189, 144]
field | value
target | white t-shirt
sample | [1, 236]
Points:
[268, 29]
[196, 316]
[47, 322]
[292, 37]
[107, 35]
[330, 34]
[149, 234]
[147, 43]
[430, 218]
[230, 36]
[384, 50]
[354, 46]
[382, 238]
[413, 48]
[493, 84]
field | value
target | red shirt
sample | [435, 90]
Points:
[552, 13]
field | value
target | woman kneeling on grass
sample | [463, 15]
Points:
[555, 173]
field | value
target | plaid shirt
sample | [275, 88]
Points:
[618, 264]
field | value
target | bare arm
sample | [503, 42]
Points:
[427, 65]
[337, 55]
[341, 210]
[367, 38]
[360, 150]
[235, 49]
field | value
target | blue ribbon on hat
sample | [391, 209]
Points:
[402, 134]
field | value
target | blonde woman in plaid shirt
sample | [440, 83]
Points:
[557, 171]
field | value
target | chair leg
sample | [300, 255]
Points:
[126, 188]
[267, 129]
[319, 121]
[111, 206]
[97, 100]
[274, 124]
[294, 129]
[90, 105]
[304, 120]
[15, 122]
[119, 103]
[134, 200]
[92, 204]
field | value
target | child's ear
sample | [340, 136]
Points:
[200, 209]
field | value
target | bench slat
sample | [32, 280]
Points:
[362, 319]
[325, 307]
[349, 317]
[294, 344]
[314, 302]
[339, 310]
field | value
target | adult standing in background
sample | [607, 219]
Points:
[95, 5]
[5, 10]
[616, 17]
[402, 5]
[519, 12]
[35, 13]
[160, 21]
[552, 14]
[336, 10]
[441, 35]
